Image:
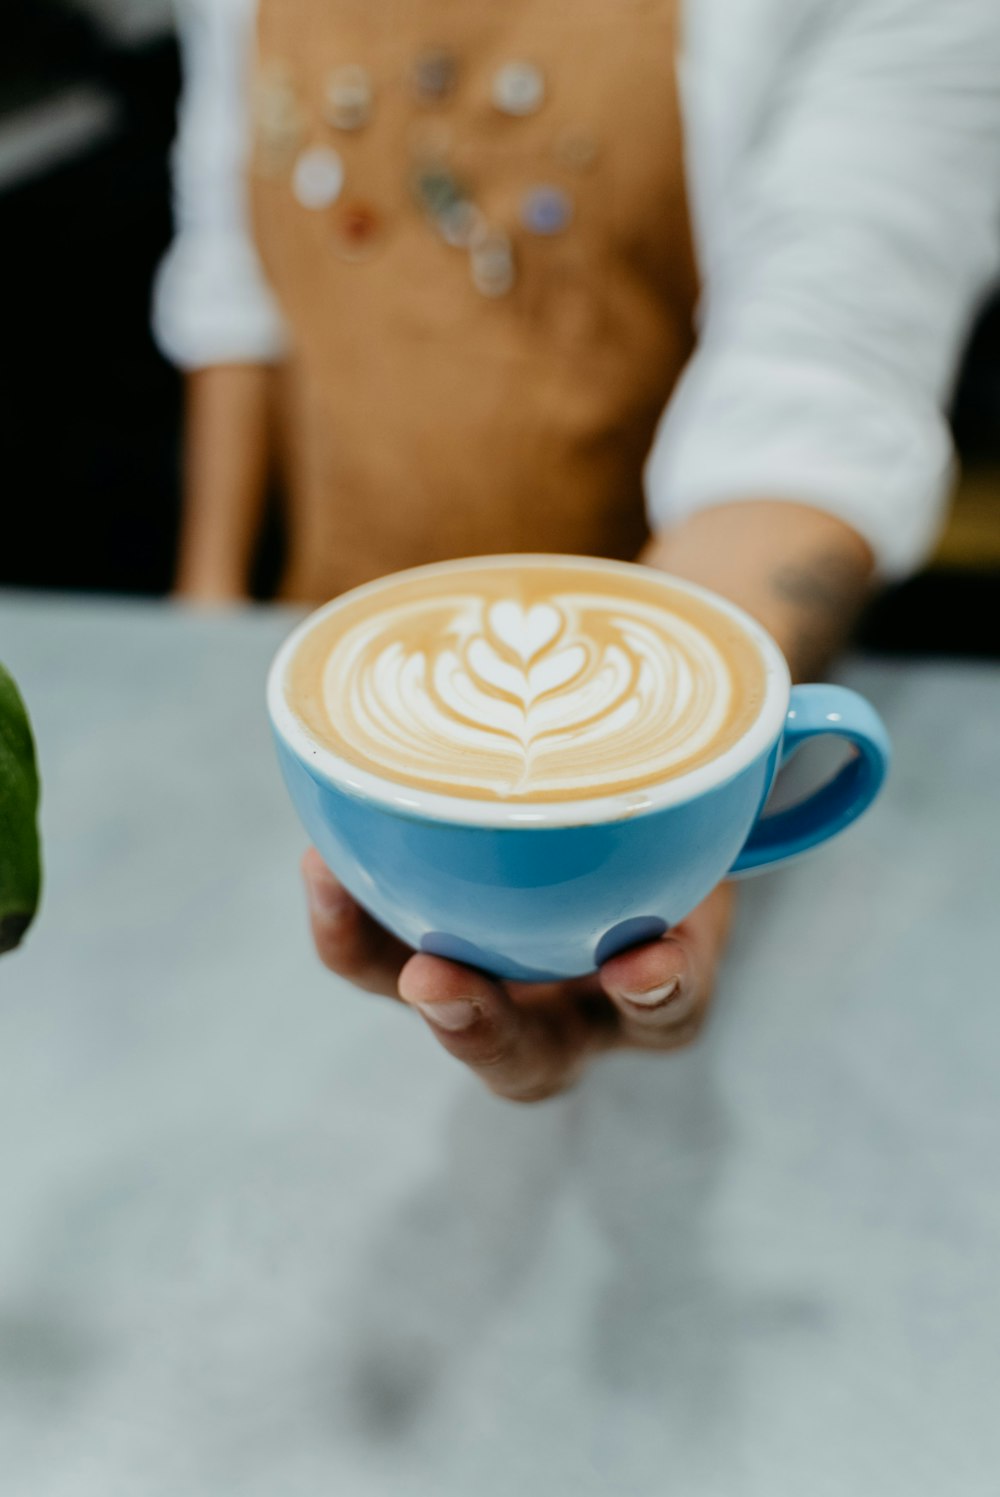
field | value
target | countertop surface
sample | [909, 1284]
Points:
[261, 1238]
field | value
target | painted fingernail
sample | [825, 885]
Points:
[655, 997]
[453, 1016]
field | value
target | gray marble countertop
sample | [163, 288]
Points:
[260, 1238]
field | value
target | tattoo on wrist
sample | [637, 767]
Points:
[826, 592]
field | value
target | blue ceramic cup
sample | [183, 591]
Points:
[536, 892]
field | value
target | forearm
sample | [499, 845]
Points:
[225, 479]
[800, 572]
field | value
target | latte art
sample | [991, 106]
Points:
[526, 681]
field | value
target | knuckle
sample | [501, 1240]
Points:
[345, 960]
[683, 1036]
[529, 1095]
[329, 934]
[485, 1050]
[537, 1085]
[677, 1033]
[339, 958]
[333, 958]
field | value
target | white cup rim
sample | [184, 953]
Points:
[429, 805]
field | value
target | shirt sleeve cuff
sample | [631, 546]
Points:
[747, 428]
[211, 304]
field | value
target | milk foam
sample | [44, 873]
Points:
[481, 687]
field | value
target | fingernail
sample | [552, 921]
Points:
[655, 997]
[455, 1015]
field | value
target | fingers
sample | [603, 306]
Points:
[657, 993]
[347, 939]
[662, 991]
[523, 1053]
[655, 997]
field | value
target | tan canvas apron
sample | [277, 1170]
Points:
[426, 419]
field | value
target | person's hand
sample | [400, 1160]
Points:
[208, 593]
[530, 1041]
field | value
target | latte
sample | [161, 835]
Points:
[526, 679]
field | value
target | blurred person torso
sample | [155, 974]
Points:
[799, 184]
[445, 398]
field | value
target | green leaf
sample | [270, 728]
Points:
[20, 857]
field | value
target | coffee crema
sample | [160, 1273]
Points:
[526, 679]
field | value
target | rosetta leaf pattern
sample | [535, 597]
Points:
[574, 695]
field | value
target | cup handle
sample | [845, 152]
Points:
[814, 711]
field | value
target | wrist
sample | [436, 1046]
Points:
[209, 586]
[801, 573]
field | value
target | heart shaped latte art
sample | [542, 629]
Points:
[525, 631]
[575, 695]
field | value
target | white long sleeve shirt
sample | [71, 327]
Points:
[843, 161]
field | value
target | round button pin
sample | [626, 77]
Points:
[318, 177]
[349, 98]
[491, 262]
[462, 224]
[278, 121]
[437, 190]
[546, 210]
[518, 88]
[434, 75]
[275, 105]
[358, 230]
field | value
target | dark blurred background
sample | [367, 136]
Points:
[90, 431]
